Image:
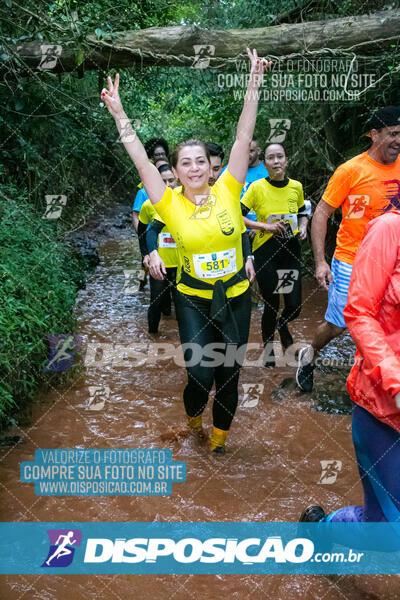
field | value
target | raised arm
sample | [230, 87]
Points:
[148, 173]
[239, 157]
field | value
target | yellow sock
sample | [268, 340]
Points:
[218, 438]
[195, 422]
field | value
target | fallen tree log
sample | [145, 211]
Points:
[364, 35]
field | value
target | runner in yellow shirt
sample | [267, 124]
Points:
[213, 299]
[281, 220]
[157, 149]
[161, 291]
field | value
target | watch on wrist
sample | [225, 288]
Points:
[250, 256]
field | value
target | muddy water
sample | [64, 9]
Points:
[270, 473]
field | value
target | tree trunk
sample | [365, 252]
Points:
[176, 46]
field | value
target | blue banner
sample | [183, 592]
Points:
[103, 472]
[209, 548]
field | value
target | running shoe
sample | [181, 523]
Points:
[217, 440]
[305, 372]
[285, 335]
[312, 514]
[221, 450]
[196, 428]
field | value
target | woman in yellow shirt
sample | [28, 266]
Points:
[161, 291]
[281, 219]
[213, 301]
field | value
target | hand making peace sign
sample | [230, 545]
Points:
[258, 65]
[111, 97]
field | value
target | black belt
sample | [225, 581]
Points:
[220, 308]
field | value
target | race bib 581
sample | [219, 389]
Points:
[215, 264]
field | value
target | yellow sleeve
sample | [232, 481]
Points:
[300, 197]
[226, 180]
[248, 198]
[144, 215]
[168, 206]
[154, 215]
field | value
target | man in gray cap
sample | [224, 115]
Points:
[365, 187]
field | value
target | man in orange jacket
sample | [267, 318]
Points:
[364, 187]
[372, 315]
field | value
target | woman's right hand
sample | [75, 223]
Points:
[278, 227]
[257, 65]
[156, 266]
[111, 97]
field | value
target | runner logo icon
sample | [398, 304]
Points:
[61, 551]
[286, 280]
[98, 396]
[54, 206]
[279, 129]
[357, 206]
[63, 348]
[252, 393]
[201, 60]
[50, 54]
[330, 469]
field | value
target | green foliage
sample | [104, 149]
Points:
[66, 20]
[59, 141]
[39, 279]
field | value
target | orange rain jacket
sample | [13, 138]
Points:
[372, 314]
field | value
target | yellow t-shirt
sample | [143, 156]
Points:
[209, 237]
[272, 203]
[166, 243]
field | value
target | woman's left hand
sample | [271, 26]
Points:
[250, 272]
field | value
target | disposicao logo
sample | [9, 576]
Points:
[61, 551]
[190, 550]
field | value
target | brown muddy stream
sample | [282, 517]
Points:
[270, 473]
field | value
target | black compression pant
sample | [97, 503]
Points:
[160, 298]
[276, 254]
[195, 327]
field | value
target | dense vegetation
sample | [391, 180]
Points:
[58, 140]
[39, 280]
